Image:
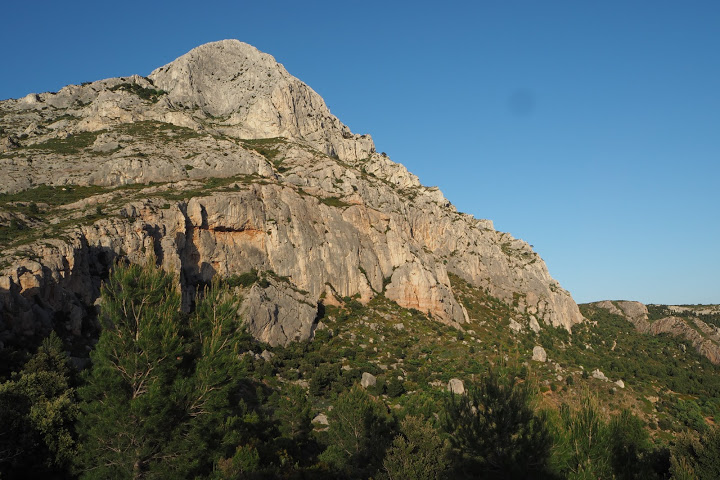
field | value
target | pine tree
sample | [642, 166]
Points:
[293, 413]
[697, 456]
[359, 431]
[496, 431]
[418, 452]
[582, 442]
[213, 424]
[130, 406]
[630, 447]
[163, 397]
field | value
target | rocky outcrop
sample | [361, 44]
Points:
[278, 314]
[534, 325]
[320, 419]
[703, 337]
[318, 209]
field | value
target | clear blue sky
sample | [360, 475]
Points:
[589, 129]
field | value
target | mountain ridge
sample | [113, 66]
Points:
[681, 322]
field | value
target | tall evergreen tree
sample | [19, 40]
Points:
[208, 395]
[130, 406]
[163, 398]
[582, 447]
[697, 456]
[630, 447]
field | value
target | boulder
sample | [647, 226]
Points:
[534, 325]
[456, 386]
[539, 354]
[320, 419]
[368, 380]
[278, 314]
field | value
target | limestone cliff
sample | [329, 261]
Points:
[223, 163]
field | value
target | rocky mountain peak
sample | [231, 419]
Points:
[253, 96]
[221, 78]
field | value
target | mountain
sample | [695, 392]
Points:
[222, 169]
[226, 166]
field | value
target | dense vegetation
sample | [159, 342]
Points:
[174, 395]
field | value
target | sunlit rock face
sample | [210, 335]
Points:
[220, 163]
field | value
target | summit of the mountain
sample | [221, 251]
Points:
[255, 97]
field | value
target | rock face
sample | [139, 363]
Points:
[278, 314]
[317, 208]
[320, 419]
[534, 325]
[704, 338]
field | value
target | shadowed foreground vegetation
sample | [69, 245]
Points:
[174, 395]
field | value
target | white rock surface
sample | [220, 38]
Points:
[539, 354]
[320, 419]
[256, 97]
[368, 380]
[534, 325]
[456, 386]
[515, 326]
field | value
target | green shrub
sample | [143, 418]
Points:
[245, 280]
[150, 94]
[395, 387]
